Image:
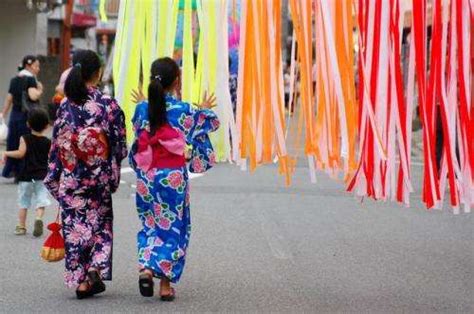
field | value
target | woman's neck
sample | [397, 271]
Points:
[170, 91]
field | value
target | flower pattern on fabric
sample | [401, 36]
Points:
[163, 194]
[84, 193]
[174, 180]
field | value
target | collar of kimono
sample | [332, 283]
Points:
[25, 72]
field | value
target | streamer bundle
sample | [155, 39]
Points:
[260, 119]
[445, 101]
[212, 72]
[385, 117]
[146, 30]
[366, 133]
[336, 122]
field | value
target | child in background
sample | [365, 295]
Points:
[34, 149]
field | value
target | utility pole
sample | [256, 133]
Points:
[66, 36]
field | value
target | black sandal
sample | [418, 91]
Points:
[83, 294]
[95, 282]
[146, 284]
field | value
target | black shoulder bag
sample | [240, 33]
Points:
[26, 103]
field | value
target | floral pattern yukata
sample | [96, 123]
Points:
[84, 192]
[163, 194]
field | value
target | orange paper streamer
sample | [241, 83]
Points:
[260, 118]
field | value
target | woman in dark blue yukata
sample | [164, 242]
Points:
[24, 82]
[87, 149]
[163, 127]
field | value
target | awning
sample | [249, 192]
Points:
[83, 20]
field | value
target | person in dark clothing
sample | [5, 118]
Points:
[33, 152]
[25, 81]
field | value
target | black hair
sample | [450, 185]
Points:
[164, 72]
[27, 60]
[38, 119]
[85, 64]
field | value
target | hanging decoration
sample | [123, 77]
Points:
[102, 11]
[352, 98]
[148, 30]
[260, 117]
[385, 116]
[212, 71]
[444, 101]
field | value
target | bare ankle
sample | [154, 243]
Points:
[165, 283]
[147, 271]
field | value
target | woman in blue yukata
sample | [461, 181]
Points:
[164, 126]
[87, 149]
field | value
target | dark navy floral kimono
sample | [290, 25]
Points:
[163, 194]
[84, 187]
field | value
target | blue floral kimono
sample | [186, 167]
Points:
[163, 194]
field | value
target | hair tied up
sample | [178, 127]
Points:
[86, 64]
[156, 77]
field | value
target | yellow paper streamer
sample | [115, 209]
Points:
[135, 48]
[102, 12]
[188, 57]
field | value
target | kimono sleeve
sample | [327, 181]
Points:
[55, 166]
[202, 153]
[139, 122]
[118, 142]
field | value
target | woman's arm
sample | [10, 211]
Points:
[118, 143]
[7, 105]
[19, 153]
[35, 92]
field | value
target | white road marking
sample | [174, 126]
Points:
[274, 237]
[194, 175]
[126, 170]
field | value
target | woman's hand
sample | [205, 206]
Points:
[137, 96]
[6, 106]
[208, 102]
[39, 86]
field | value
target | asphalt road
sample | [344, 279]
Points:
[258, 246]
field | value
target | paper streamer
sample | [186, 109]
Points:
[329, 109]
[364, 134]
[102, 11]
[260, 118]
[141, 38]
[212, 72]
[384, 128]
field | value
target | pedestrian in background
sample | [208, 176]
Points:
[33, 151]
[58, 96]
[87, 149]
[24, 84]
[163, 125]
